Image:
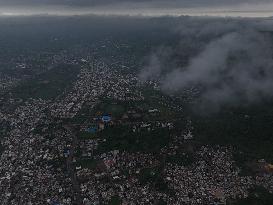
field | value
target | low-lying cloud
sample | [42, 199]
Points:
[230, 61]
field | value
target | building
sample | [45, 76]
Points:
[106, 118]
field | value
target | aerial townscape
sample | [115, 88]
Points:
[80, 126]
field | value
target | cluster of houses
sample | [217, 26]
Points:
[40, 162]
[37, 149]
[27, 173]
[7, 82]
[213, 178]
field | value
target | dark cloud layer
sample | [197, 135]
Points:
[250, 8]
[154, 3]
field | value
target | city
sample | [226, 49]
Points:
[80, 126]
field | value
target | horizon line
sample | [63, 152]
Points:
[220, 14]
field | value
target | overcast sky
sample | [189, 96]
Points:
[139, 7]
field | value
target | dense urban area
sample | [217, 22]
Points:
[78, 127]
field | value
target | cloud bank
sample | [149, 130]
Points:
[230, 61]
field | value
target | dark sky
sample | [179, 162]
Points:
[135, 7]
[148, 2]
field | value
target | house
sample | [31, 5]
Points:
[91, 130]
[269, 168]
[106, 118]
[101, 126]
[188, 135]
[153, 110]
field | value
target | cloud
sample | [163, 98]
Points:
[249, 8]
[158, 64]
[232, 62]
[155, 3]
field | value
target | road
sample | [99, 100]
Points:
[77, 197]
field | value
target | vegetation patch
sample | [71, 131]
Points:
[123, 138]
[115, 200]
[257, 196]
[47, 85]
[248, 129]
[86, 135]
[87, 163]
